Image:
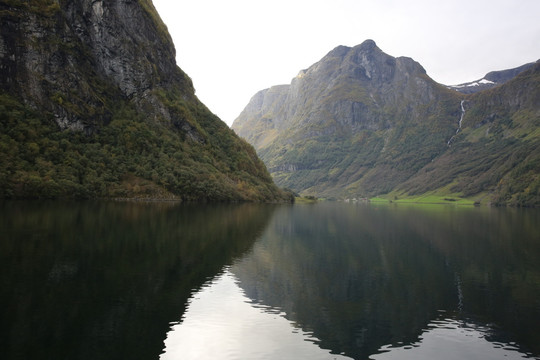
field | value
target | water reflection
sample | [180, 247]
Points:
[116, 280]
[363, 277]
[221, 323]
[104, 280]
[450, 339]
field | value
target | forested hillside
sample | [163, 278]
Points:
[92, 105]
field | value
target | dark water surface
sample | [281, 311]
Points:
[104, 280]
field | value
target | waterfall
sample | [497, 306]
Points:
[460, 122]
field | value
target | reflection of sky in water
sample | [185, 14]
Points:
[222, 323]
[358, 280]
[450, 339]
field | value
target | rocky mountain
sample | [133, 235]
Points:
[360, 123]
[491, 79]
[92, 104]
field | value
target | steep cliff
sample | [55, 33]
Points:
[361, 123]
[94, 105]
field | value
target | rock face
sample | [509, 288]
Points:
[86, 51]
[106, 71]
[351, 84]
[360, 123]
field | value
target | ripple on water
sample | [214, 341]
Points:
[450, 339]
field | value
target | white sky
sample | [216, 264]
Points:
[233, 48]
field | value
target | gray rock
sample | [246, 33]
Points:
[76, 58]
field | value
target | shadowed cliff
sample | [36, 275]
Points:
[93, 105]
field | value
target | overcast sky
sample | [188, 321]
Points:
[233, 48]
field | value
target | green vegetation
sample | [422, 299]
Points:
[111, 116]
[129, 157]
[306, 200]
[379, 200]
[46, 8]
[428, 198]
[353, 138]
[162, 30]
[360, 163]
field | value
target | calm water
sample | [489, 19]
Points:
[328, 281]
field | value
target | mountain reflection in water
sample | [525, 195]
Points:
[105, 280]
[449, 339]
[369, 281]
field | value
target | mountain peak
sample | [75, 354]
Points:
[351, 83]
[367, 45]
[342, 50]
[360, 123]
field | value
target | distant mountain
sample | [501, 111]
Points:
[360, 123]
[491, 79]
[92, 104]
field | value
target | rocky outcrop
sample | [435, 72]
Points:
[74, 60]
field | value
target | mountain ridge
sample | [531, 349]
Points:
[361, 123]
[491, 79]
